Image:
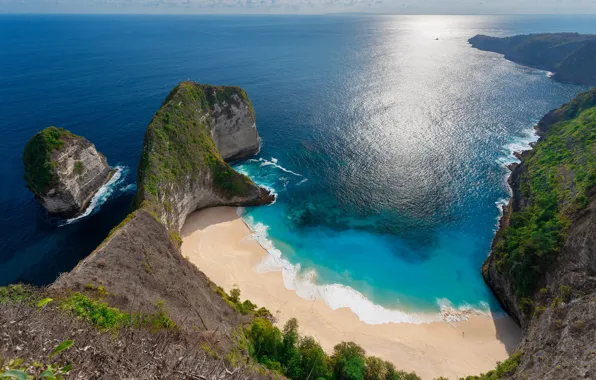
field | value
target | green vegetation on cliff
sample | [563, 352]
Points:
[102, 316]
[39, 169]
[556, 178]
[178, 145]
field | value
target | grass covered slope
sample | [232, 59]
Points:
[181, 169]
[62, 335]
[570, 55]
[37, 158]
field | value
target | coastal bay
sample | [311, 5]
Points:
[219, 243]
[382, 170]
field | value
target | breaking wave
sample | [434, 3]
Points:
[104, 193]
[273, 162]
[339, 296]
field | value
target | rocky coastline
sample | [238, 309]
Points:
[569, 56]
[557, 314]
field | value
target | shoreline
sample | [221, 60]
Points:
[220, 244]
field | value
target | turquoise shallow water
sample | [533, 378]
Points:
[386, 147]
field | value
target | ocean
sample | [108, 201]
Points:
[386, 139]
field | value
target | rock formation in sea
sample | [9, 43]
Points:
[180, 171]
[542, 266]
[64, 170]
[570, 56]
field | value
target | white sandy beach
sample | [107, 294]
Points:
[218, 242]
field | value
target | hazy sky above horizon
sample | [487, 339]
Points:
[302, 6]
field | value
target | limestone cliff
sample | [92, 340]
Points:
[231, 122]
[64, 170]
[571, 56]
[543, 263]
[181, 168]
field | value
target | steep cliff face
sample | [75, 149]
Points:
[571, 56]
[232, 122]
[64, 170]
[543, 263]
[579, 66]
[181, 168]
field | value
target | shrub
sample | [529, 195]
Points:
[97, 313]
[349, 361]
[503, 370]
[104, 317]
[265, 342]
[78, 167]
[39, 169]
[314, 362]
[16, 294]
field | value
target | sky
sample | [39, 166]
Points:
[302, 6]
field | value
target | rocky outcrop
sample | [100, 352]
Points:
[181, 168]
[502, 285]
[232, 122]
[180, 171]
[64, 170]
[571, 56]
[549, 285]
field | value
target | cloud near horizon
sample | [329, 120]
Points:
[301, 6]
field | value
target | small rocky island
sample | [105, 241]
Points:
[64, 171]
[571, 56]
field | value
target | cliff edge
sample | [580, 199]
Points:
[542, 266]
[180, 170]
[64, 170]
[570, 56]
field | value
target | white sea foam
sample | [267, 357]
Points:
[131, 187]
[274, 162]
[517, 145]
[550, 74]
[339, 296]
[102, 194]
[500, 204]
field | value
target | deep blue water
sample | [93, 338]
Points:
[386, 147]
